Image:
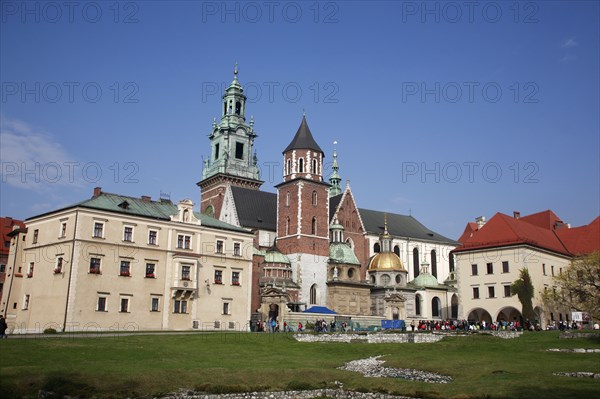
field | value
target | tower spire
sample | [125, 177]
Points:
[335, 180]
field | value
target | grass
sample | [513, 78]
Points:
[145, 365]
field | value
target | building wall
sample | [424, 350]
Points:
[519, 257]
[48, 289]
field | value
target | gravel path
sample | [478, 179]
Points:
[373, 367]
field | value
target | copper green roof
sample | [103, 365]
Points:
[274, 256]
[157, 210]
[341, 252]
[425, 280]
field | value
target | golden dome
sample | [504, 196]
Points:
[386, 261]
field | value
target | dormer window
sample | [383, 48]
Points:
[124, 205]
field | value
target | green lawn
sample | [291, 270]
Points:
[144, 365]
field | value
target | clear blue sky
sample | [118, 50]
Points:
[445, 110]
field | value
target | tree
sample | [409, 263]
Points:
[523, 289]
[578, 287]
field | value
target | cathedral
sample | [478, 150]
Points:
[314, 248]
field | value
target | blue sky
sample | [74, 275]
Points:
[446, 110]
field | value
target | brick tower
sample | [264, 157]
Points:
[303, 215]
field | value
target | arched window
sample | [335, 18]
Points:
[301, 165]
[314, 198]
[287, 199]
[416, 261]
[372, 279]
[314, 166]
[350, 273]
[287, 226]
[418, 305]
[350, 242]
[385, 280]
[313, 294]
[451, 262]
[313, 227]
[398, 279]
[376, 248]
[435, 307]
[186, 215]
[238, 107]
[434, 263]
[209, 211]
[397, 250]
[288, 167]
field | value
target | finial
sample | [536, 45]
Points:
[235, 70]
[303, 112]
[214, 121]
[385, 228]
[251, 120]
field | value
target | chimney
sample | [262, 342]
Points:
[97, 191]
[146, 198]
[517, 214]
[480, 221]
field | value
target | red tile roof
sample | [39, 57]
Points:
[537, 230]
[470, 229]
[581, 240]
[546, 219]
[6, 226]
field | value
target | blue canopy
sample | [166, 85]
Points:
[319, 309]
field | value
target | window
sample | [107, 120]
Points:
[218, 277]
[95, 265]
[180, 306]
[98, 230]
[36, 233]
[101, 306]
[225, 307]
[475, 292]
[150, 269]
[301, 165]
[314, 198]
[544, 268]
[235, 278]
[505, 268]
[128, 233]
[219, 246]
[397, 250]
[434, 263]
[418, 305]
[59, 265]
[287, 226]
[152, 237]
[385, 280]
[125, 269]
[184, 241]
[350, 273]
[552, 270]
[237, 249]
[25, 302]
[2, 268]
[287, 199]
[416, 262]
[124, 305]
[473, 270]
[216, 151]
[490, 268]
[313, 294]
[289, 166]
[185, 272]
[239, 150]
[154, 303]
[398, 279]
[376, 248]
[63, 230]
[507, 290]
[491, 292]
[313, 226]
[314, 166]
[30, 270]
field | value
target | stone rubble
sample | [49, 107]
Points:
[579, 374]
[576, 350]
[373, 367]
[331, 393]
[380, 338]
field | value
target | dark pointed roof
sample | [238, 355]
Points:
[303, 140]
[255, 209]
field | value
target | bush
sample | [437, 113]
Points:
[49, 331]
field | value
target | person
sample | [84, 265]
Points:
[3, 327]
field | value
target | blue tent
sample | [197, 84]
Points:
[319, 309]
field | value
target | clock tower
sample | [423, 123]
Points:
[232, 160]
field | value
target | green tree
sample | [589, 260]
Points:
[523, 289]
[578, 287]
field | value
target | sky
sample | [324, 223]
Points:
[443, 110]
